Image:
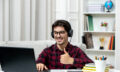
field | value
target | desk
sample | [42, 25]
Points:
[75, 70]
[63, 70]
[114, 70]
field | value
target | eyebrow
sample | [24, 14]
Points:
[58, 31]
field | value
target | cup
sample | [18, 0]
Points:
[100, 65]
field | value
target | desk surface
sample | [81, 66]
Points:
[63, 70]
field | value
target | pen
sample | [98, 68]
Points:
[103, 58]
[100, 58]
[95, 57]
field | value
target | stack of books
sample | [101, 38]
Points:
[111, 45]
[91, 68]
[96, 8]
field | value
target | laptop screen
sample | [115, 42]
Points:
[16, 59]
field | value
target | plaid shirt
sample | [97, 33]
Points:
[51, 57]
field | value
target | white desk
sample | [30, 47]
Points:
[114, 70]
[63, 70]
[74, 70]
[67, 70]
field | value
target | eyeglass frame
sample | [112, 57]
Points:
[60, 32]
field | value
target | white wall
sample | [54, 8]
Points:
[32, 19]
[26, 19]
[69, 10]
[117, 40]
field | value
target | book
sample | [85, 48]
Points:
[96, 8]
[89, 67]
[88, 40]
[86, 23]
[90, 23]
[113, 47]
[109, 44]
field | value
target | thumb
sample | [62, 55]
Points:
[46, 68]
[65, 51]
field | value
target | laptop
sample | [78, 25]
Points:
[17, 59]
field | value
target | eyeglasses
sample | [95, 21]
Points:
[60, 32]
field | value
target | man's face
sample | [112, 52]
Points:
[60, 35]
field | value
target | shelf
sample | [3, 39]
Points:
[94, 16]
[99, 13]
[110, 32]
[93, 50]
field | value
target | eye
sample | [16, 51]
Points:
[62, 32]
[55, 32]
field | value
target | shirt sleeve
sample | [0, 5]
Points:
[81, 59]
[42, 57]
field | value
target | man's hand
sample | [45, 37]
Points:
[41, 67]
[65, 58]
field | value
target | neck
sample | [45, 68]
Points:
[62, 46]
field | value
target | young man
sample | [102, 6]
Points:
[62, 55]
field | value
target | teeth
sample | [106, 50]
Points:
[58, 38]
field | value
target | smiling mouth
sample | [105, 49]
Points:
[59, 39]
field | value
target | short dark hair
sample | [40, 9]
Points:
[62, 23]
[65, 24]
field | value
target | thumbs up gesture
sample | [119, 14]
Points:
[65, 58]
